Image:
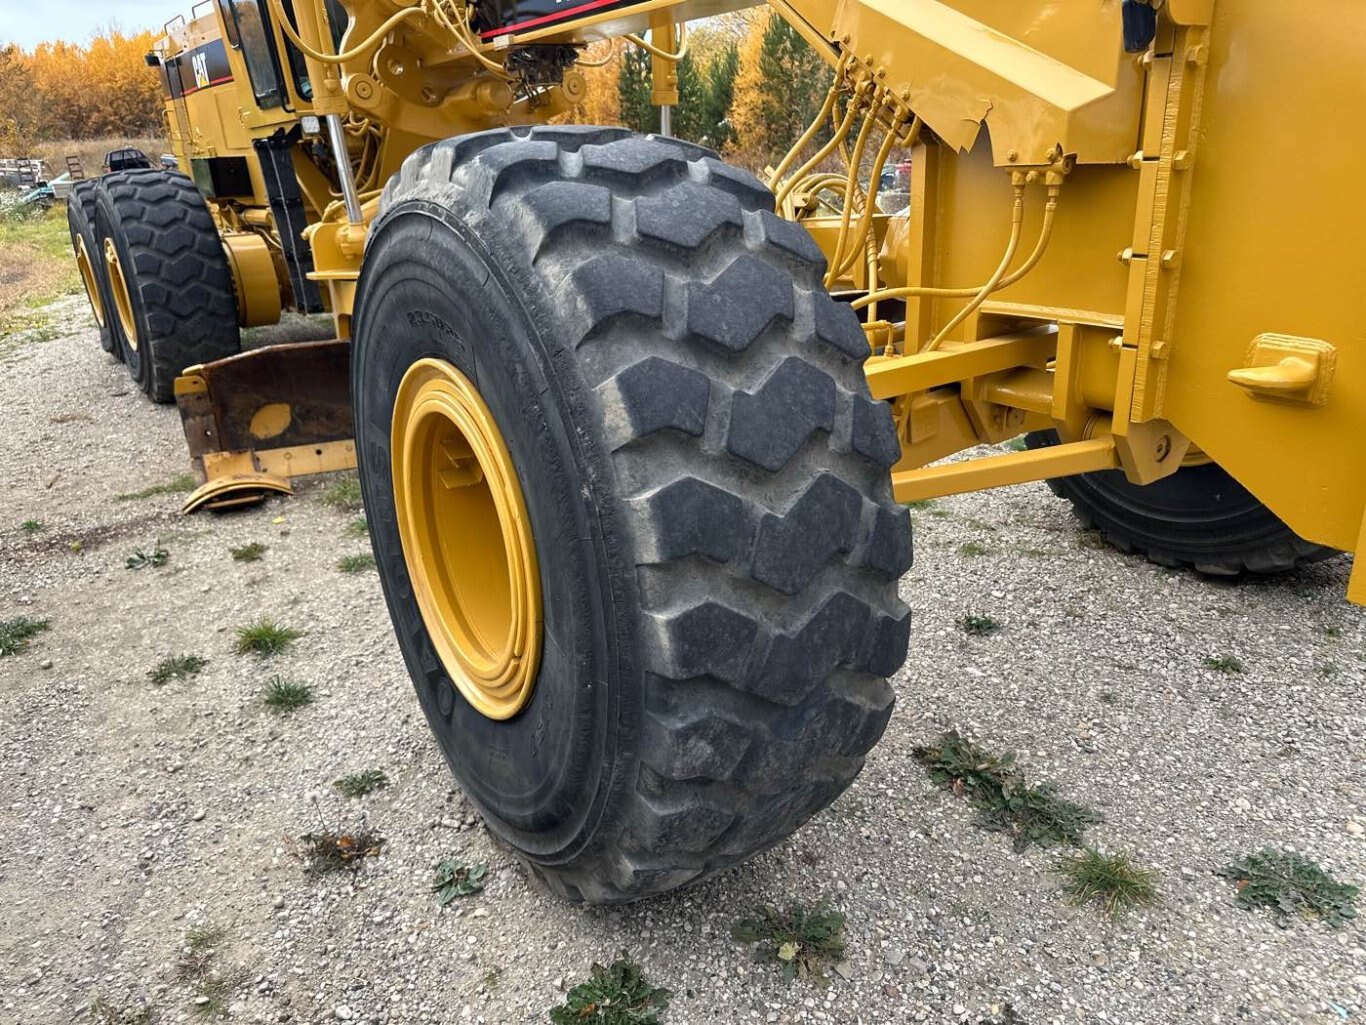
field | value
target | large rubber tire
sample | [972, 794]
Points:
[80, 220]
[179, 281]
[1199, 517]
[706, 479]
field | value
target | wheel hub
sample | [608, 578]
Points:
[92, 288]
[466, 538]
[118, 287]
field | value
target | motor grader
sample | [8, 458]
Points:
[636, 429]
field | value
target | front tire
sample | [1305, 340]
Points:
[705, 480]
[1199, 517]
[171, 290]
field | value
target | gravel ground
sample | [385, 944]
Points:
[132, 813]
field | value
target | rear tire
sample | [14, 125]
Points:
[80, 219]
[1198, 517]
[706, 480]
[181, 307]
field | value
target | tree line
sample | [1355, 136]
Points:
[749, 85]
[73, 91]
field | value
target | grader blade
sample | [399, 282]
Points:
[254, 421]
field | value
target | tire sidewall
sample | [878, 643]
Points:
[80, 222]
[438, 291]
[109, 226]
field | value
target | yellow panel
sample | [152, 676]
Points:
[1275, 247]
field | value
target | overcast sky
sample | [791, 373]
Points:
[30, 22]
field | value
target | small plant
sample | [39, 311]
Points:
[265, 638]
[356, 563]
[15, 633]
[213, 989]
[176, 485]
[978, 626]
[176, 667]
[141, 560]
[456, 879]
[1290, 885]
[104, 1012]
[973, 549]
[251, 552]
[1111, 880]
[200, 939]
[616, 995]
[31, 526]
[358, 784]
[332, 850]
[1224, 663]
[1016, 444]
[343, 493]
[286, 695]
[359, 527]
[920, 503]
[212, 999]
[1004, 801]
[492, 978]
[801, 939]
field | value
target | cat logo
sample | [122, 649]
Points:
[200, 63]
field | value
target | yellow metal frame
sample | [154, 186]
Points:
[466, 538]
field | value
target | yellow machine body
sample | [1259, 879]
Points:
[1098, 240]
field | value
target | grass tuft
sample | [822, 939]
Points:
[456, 879]
[31, 526]
[156, 558]
[1224, 663]
[175, 486]
[176, 667]
[343, 493]
[104, 1012]
[803, 939]
[251, 552]
[15, 633]
[356, 563]
[1291, 885]
[616, 995]
[1111, 880]
[978, 626]
[1004, 801]
[212, 988]
[265, 638]
[973, 549]
[358, 784]
[358, 527]
[286, 695]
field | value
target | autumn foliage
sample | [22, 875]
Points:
[69, 91]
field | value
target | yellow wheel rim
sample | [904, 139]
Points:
[92, 288]
[466, 538]
[118, 287]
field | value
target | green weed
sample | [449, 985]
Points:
[176, 667]
[1291, 885]
[251, 552]
[616, 995]
[15, 633]
[456, 879]
[31, 526]
[358, 527]
[978, 626]
[265, 638]
[1111, 880]
[175, 486]
[356, 563]
[1224, 663]
[803, 939]
[1004, 801]
[973, 549]
[156, 558]
[105, 1012]
[343, 493]
[286, 695]
[358, 784]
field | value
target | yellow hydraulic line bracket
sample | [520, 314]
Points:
[1000, 471]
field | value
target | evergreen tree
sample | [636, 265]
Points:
[633, 87]
[719, 95]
